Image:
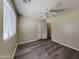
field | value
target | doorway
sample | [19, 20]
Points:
[49, 30]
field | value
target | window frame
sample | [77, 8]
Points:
[14, 15]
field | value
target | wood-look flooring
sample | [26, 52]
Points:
[45, 49]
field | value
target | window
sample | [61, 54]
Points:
[9, 21]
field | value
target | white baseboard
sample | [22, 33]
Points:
[18, 44]
[14, 52]
[25, 42]
[39, 39]
[65, 45]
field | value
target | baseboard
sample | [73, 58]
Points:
[25, 42]
[21, 43]
[14, 52]
[66, 45]
[29, 41]
[17, 46]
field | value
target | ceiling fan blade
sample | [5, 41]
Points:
[59, 10]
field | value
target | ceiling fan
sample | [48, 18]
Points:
[26, 1]
[53, 12]
[58, 9]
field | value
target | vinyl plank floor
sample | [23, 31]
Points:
[45, 49]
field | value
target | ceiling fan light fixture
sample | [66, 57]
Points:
[29, 0]
[26, 1]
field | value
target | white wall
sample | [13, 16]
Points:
[29, 29]
[65, 29]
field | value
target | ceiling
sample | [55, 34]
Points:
[38, 8]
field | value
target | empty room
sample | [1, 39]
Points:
[39, 29]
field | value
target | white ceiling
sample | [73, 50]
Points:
[37, 8]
